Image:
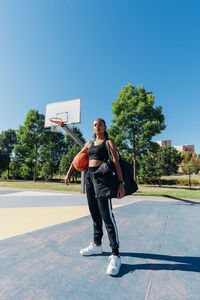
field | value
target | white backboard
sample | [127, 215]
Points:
[69, 111]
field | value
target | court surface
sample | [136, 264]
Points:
[41, 234]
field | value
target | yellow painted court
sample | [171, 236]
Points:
[22, 219]
[14, 221]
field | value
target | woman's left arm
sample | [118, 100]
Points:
[113, 151]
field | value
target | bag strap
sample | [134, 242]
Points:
[108, 149]
[109, 154]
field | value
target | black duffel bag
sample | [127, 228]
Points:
[127, 173]
[107, 181]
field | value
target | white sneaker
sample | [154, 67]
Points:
[114, 265]
[92, 249]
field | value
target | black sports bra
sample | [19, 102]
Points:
[98, 152]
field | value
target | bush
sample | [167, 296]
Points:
[15, 166]
[47, 170]
[4, 174]
[25, 172]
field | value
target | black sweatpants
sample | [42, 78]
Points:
[101, 209]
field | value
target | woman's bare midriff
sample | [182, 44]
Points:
[95, 163]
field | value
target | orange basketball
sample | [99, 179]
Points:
[81, 161]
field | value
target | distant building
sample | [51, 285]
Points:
[179, 148]
[164, 143]
[185, 148]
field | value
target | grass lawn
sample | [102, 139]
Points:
[40, 185]
[183, 180]
[180, 192]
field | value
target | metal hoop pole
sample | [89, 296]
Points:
[71, 133]
[78, 141]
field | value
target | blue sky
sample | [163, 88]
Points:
[58, 50]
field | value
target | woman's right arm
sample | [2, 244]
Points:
[71, 168]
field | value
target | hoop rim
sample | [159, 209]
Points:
[57, 120]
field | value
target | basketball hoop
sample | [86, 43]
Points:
[55, 128]
[57, 120]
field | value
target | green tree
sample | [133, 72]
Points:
[25, 171]
[190, 162]
[198, 163]
[148, 171]
[47, 169]
[189, 168]
[19, 170]
[15, 166]
[72, 150]
[136, 121]
[51, 153]
[164, 162]
[66, 162]
[194, 156]
[8, 139]
[3, 161]
[186, 157]
[31, 137]
[169, 160]
[70, 143]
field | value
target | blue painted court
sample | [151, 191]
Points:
[159, 238]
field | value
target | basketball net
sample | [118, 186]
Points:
[57, 121]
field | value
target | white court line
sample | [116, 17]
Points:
[120, 205]
[15, 235]
[33, 193]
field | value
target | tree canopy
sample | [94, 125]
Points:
[163, 162]
[40, 151]
[31, 137]
[8, 139]
[135, 122]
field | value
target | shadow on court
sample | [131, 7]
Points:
[187, 264]
[183, 200]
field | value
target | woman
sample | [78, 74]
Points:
[101, 209]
